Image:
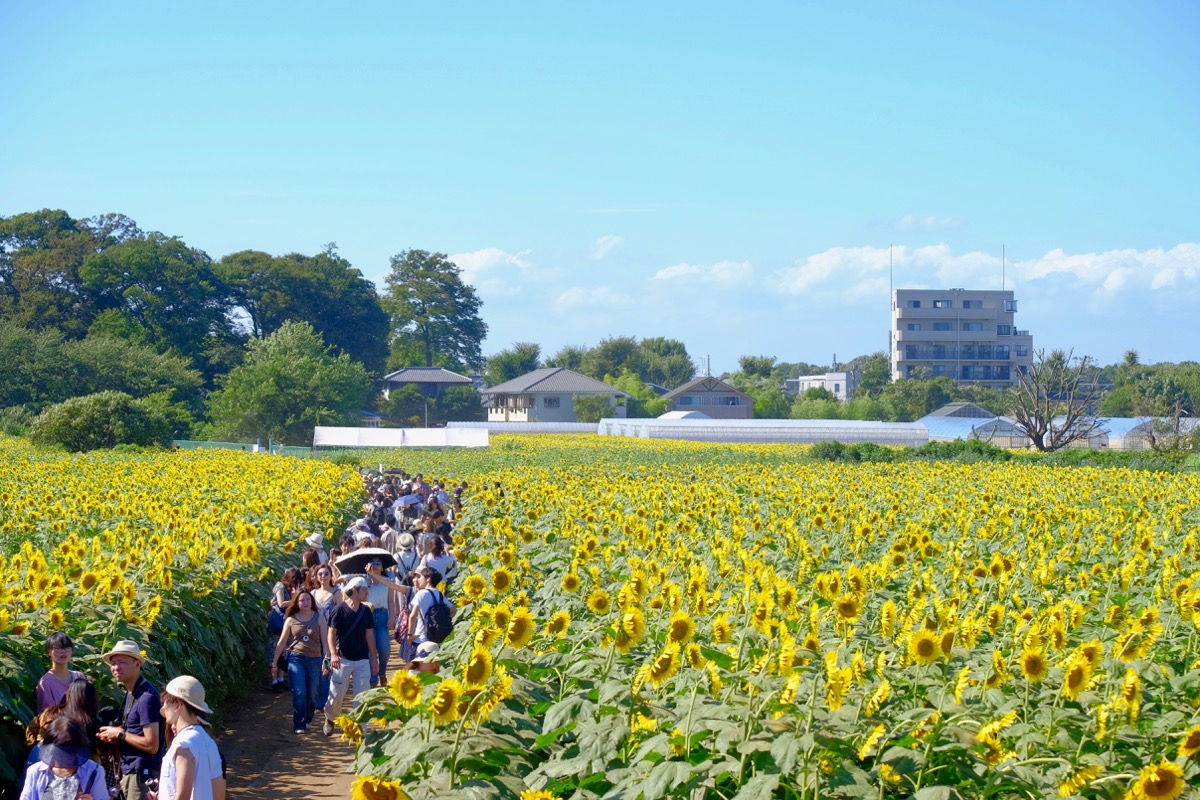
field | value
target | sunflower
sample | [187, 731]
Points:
[1077, 675]
[879, 697]
[501, 580]
[1190, 744]
[570, 582]
[848, 608]
[405, 689]
[478, 668]
[946, 643]
[520, 629]
[887, 619]
[923, 647]
[1161, 781]
[56, 618]
[722, 631]
[558, 623]
[1034, 666]
[366, 787]
[444, 703]
[501, 616]
[714, 679]
[681, 628]
[663, 666]
[87, 581]
[598, 601]
[351, 730]
[474, 586]
[538, 794]
[694, 656]
[1078, 780]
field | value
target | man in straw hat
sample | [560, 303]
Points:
[140, 733]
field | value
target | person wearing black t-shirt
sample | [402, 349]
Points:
[353, 656]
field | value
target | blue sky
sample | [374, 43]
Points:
[731, 175]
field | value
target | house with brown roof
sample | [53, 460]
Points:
[430, 381]
[711, 396]
[546, 395]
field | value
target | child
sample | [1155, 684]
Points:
[52, 687]
[63, 769]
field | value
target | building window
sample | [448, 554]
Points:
[914, 303]
[837, 388]
[729, 400]
[972, 304]
[972, 326]
[914, 326]
[1010, 305]
[1022, 350]
[940, 304]
[1004, 330]
[688, 400]
[1002, 352]
[551, 402]
[943, 326]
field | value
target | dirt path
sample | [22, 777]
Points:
[266, 761]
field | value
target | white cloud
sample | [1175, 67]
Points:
[722, 273]
[581, 297]
[855, 272]
[913, 222]
[605, 245]
[477, 264]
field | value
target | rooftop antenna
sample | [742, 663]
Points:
[891, 296]
[708, 366]
[1003, 266]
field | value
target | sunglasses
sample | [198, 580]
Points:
[376, 561]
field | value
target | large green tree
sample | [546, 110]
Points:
[435, 317]
[665, 362]
[40, 256]
[569, 356]
[324, 290]
[610, 356]
[157, 290]
[514, 362]
[287, 384]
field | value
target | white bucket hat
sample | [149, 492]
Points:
[190, 691]
[124, 648]
[315, 540]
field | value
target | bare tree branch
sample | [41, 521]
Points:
[1054, 400]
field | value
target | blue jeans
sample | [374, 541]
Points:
[322, 688]
[383, 643]
[304, 673]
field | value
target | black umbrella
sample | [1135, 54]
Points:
[355, 562]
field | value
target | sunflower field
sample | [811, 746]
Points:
[175, 550]
[649, 619]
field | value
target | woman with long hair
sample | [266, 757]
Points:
[281, 595]
[441, 560]
[191, 768]
[328, 596]
[303, 639]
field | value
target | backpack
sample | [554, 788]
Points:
[406, 569]
[438, 620]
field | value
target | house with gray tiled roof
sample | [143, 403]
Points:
[431, 381]
[546, 395]
[711, 396]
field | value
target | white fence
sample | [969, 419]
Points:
[768, 431]
[399, 437]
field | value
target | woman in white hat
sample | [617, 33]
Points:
[191, 769]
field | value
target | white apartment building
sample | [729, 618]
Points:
[967, 335]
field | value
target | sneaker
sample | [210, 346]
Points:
[327, 728]
[301, 730]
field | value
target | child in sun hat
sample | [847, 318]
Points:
[63, 769]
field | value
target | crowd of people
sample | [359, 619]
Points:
[339, 617]
[154, 746]
[334, 623]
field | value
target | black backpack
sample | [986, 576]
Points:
[439, 622]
